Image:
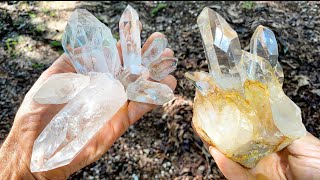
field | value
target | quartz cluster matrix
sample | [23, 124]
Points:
[240, 106]
[101, 85]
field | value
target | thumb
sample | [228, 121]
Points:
[229, 168]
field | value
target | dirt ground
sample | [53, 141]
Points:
[162, 145]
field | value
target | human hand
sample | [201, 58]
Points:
[299, 160]
[32, 118]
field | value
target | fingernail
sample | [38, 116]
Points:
[213, 151]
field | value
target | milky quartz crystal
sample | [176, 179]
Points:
[100, 87]
[61, 88]
[240, 106]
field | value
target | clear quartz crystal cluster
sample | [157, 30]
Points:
[141, 66]
[101, 85]
[240, 106]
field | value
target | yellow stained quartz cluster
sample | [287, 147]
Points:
[241, 126]
[240, 106]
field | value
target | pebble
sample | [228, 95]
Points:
[145, 176]
[147, 151]
[201, 168]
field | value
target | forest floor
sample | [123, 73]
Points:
[162, 144]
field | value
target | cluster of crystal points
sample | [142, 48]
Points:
[100, 87]
[240, 106]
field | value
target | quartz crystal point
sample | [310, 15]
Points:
[129, 27]
[264, 44]
[61, 88]
[162, 67]
[90, 45]
[154, 51]
[248, 116]
[159, 66]
[149, 92]
[139, 68]
[221, 44]
[72, 128]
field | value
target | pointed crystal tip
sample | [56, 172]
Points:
[221, 43]
[129, 31]
[264, 44]
[129, 14]
[204, 12]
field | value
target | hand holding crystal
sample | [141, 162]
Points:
[32, 118]
[299, 160]
[252, 129]
[107, 76]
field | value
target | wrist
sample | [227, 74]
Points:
[13, 161]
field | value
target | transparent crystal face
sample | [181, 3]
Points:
[255, 68]
[264, 44]
[129, 27]
[240, 106]
[154, 51]
[90, 45]
[202, 81]
[221, 43]
[161, 68]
